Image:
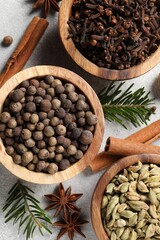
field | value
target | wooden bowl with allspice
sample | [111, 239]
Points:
[51, 124]
[113, 40]
[126, 200]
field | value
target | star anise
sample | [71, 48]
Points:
[46, 4]
[70, 224]
[63, 201]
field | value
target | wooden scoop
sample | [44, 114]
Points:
[113, 170]
[93, 149]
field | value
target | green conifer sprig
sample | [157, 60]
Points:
[22, 207]
[132, 106]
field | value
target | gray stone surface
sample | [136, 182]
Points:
[15, 15]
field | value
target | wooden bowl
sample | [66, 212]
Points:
[103, 182]
[43, 178]
[108, 74]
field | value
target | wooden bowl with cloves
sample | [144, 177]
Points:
[111, 40]
[51, 124]
[126, 200]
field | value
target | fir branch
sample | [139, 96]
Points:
[22, 207]
[130, 106]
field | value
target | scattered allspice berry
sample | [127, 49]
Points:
[7, 41]
[47, 124]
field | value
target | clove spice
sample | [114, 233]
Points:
[115, 34]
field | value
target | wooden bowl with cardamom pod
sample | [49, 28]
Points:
[106, 178]
[67, 76]
[101, 70]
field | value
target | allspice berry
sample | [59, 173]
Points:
[59, 89]
[58, 157]
[54, 121]
[34, 82]
[92, 119]
[26, 134]
[52, 168]
[80, 105]
[7, 41]
[27, 157]
[21, 148]
[41, 165]
[40, 92]
[25, 84]
[60, 112]
[39, 126]
[59, 149]
[34, 118]
[60, 139]
[67, 104]
[31, 126]
[17, 158]
[4, 117]
[76, 132]
[41, 144]
[30, 107]
[81, 122]
[78, 155]
[31, 166]
[37, 100]
[17, 131]
[9, 150]
[49, 79]
[56, 103]
[37, 135]
[60, 129]
[42, 115]
[52, 141]
[15, 107]
[69, 87]
[48, 131]
[73, 96]
[17, 95]
[43, 154]
[26, 116]
[86, 137]
[50, 114]
[12, 123]
[66, 142]
[30, 143]
[31, 90]
[45, 105]
[64, 164]
[71, 150]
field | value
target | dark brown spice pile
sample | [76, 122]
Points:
[115, 34]
[46, 124]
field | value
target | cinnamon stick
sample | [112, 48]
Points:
[123, 147]
[25, 48]
[147, 134]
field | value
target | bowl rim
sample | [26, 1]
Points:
[90, 67]
[108, 175]
[80, 83]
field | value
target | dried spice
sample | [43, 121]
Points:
[37, 110]
[115, 34]
[131, 203]
[63, 201]
[7, 41]
[70, 224]
[46, 4]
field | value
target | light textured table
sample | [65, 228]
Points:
[15, 15]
